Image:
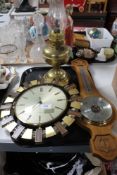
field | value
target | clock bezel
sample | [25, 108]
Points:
[32, 126]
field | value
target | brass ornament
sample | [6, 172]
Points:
[73, 91]
[34, 82]
[68, 120]
[75, 104]
[56, 53]
[20, 89]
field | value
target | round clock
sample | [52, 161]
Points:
[40, 105]
[40, 111]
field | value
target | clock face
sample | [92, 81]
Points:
[40, 111]
[40, 105]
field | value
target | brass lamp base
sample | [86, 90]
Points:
[56, 75]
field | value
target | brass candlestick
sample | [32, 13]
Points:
[56, 53]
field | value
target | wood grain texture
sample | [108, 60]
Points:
[102, 142]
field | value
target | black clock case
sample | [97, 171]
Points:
[76, 135]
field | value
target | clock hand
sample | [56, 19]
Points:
[36, 105]
[40, 101]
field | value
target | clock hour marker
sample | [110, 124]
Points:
[57, 93]
[29, 117]
[50, 89]
[61, 99]
[21, 105]
[25, 98]
[39, 119]
[40, 101]
[41, 89]
[32, 91]
[21, 112]
[51, 116]
[58, 108]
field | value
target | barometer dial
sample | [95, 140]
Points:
[96, 110]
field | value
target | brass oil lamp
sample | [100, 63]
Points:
[56, 53]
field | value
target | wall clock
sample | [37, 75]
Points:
[40, 105]
[39, 112]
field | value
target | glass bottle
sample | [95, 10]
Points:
[114, 33]
[36, 52]
[21, 45]
[69, 26]
[45, 29]
[2, 4]
[114, 28]
[19, 39]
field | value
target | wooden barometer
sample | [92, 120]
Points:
[98, 115]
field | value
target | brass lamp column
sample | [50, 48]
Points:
[56, 53]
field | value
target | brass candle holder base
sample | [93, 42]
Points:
[56, 53]
[58, 76]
